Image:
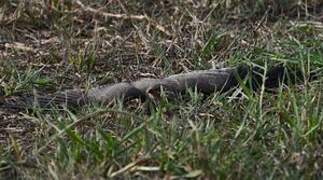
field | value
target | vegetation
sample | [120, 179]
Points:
[53, 45]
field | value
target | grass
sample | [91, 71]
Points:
[53, 45]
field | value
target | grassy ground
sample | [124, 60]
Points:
[61, 44]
